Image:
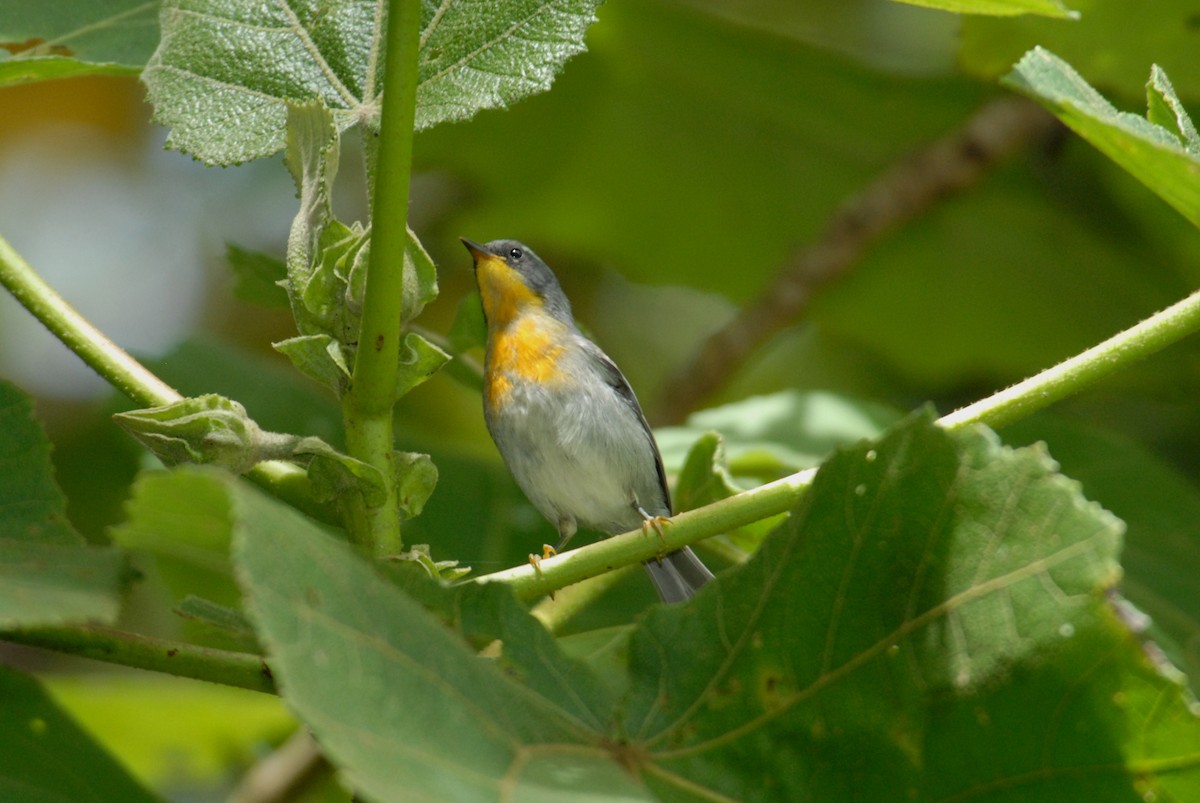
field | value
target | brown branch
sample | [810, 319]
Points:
[944, 168]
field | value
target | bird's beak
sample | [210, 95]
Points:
[477, 251]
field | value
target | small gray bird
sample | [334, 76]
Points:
[563, 416]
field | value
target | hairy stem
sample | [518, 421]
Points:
[1084, 369]
[119, 369]
[367, 407]
[244, 670]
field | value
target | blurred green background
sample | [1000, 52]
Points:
[666, 177]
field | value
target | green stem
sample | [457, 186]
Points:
[104, 356]
[1005, 407]
[119, 369]
[1083, 370]
[368, 406]
[244, 670]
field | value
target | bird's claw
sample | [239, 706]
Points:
[535, 560]
[656, 523]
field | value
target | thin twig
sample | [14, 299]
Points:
[946, 167]
[284, 774]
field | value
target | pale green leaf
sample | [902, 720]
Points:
[769, 436]
[318, 357]
[416, 477]
[482, 57]
[334, 474]
[1164, 109]
[419, 360]
[209, 429]
[1154, 155]
[420, 278]
[225, 71]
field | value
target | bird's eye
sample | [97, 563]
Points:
[516, 253]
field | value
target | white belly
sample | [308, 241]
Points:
[583, 458]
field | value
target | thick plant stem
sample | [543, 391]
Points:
[122, 371]
[244, 670]
[368, 405]
[1005, 407]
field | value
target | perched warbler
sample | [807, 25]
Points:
[564, 417]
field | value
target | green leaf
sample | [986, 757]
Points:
[420, 279]
[1099, 44]
[181, 521]
[1165, 110]
[769, 436]
[1003, 8]
[48, 576]
[419, 360]
[214, 615]
[334, 474]
[397, 701]
[1161, 508]
[312, 159]
[319, 357]
[1152, 154]
[32, 507]
[257, 276]
[416, 476]
[705, 479]
[476, 58]
[932, 594]
[67, 38]
[46, 584]
[225, 72]
[45, 757]
[209, 429]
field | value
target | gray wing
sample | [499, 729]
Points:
[617, 381]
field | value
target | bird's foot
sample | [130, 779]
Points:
[535, 560]
[656, 523]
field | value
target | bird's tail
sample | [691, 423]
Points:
[678, 576]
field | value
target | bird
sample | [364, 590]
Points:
[565, 419]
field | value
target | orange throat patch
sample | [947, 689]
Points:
[527, 350]
[524, 342]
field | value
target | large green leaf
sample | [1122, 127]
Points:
[40, 41]
[48, 575]
[931, 588]
[931, 622]
[225, 71]
[1161, 508]
[46, 758]
[396, 700]
[1164, 159]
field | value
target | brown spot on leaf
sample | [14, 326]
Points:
[36, 46]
